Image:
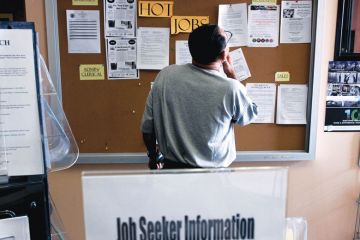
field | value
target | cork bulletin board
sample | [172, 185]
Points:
[105, 115]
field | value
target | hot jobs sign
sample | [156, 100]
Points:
[155, 8]
[186, 24]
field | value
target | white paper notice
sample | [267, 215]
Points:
[120, 18]
[20, 136]
[233, 18]
[83, 31]
[183, 55]
[263, 26]
[121, 58]
[240, 66]
[291, 104]
[295, 22]
[153, 48]
[264, 95]
[15, 228]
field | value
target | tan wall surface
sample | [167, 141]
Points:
[323, 191]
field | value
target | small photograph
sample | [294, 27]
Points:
[256, 7]
[339, 102]
[127, 24]
[339, 66]
[343, 90]
[113, 66]
[354, 90]
[132, 65]
[334, 90]
[331, 66]
[332, 103]
[350, 66]
[333, 77]
[111, 23]
[347, 77]
[353, 104]
[288, 13]
[357, 66]
[346, 66]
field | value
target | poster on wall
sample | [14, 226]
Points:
[263, 26]
[121, 58]
[295, 22]
[120, 18]
[343, 96]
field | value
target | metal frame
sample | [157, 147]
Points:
[242, 156]
[53, 44]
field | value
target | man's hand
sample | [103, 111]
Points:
[228, 67]
[154, 164]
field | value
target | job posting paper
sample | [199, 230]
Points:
[295, 22]
[263, 26]
[241, 68]
[153, 48]
[263, 95]
[182, 55]
[233, 18]
[83, 31]
[291, 104]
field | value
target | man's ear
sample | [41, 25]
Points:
[223, 56]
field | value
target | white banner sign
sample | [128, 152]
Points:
[20, 135]
[199, 204]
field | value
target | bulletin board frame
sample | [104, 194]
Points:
[242, 156]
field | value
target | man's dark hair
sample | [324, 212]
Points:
[206, 43]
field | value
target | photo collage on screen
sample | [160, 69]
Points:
[343, 84]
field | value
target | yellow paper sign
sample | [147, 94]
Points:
[187, 24]
[85, 2]
[264, 2]
[282, 77]
[155, 8]
[92, 72]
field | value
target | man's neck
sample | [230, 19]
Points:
[211, 66]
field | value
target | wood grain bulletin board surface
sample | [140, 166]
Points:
[105, 115]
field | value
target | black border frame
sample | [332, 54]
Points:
[29, 194]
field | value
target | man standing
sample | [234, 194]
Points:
[192, 108]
